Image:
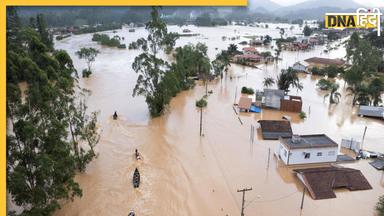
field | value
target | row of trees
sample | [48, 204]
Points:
[158, 80]
[363, 78]
[50, 136]
[105, 40]
[330, 71]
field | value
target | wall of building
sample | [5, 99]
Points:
[297, 156]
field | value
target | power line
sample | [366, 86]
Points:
[272, 200]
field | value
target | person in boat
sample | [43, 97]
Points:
[137, 154]
[115, 115]
[136, 178]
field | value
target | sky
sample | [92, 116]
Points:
[368, 3]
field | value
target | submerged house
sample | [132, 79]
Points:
[371, 111]
[276, 99]
[300, 67]
[250, 50]
[247, 58]
[307, 149]
[273, 97]
[274, 129]
[321, 181]
[323, 62]
[256, 42]
[245, 104]
[291, 104]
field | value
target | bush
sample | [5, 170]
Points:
[380, 206]
[318, 71]
[104, 39]
[333, 71]
[302, 115]
[246, 90]
[86, 73]
[324, 84]
[133, 45]
[201, 103]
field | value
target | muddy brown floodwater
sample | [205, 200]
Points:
[184, 174]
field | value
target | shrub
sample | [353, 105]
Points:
[302, 115]
[246, 90]
[86, 73]
[332, 71]
[380, 206]
[104, 39]
[324, 84]
[318, 71]
[201, 103]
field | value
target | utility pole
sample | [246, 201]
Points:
[269, 156]
[302, 198]
[201, 119]
[235, 95]
[362, 141]
[242, 204]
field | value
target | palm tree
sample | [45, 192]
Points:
[288, 78]
[334, 96]
[268, 82]
[232, 49]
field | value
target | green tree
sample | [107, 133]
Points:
[89, 54]
[365, 60]
[170, 41]
[232, 50]
[288, 78]
[221, 63]
[324, 84]
[41, 25]
[150, 68]
[268, 82]
[307, 31]
[201, 104]
[204, 20]
[278, 50]
[375, 88]
[267, 40]
[41, 162]
[334, 96]
[282, 32]
[380, 206]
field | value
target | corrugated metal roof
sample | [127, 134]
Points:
[321, 181]
[273, 129]
[308, 141]
[371, 111]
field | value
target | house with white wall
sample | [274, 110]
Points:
[307, 149]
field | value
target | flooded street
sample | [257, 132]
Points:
[185, 174]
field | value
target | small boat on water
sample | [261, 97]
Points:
[136, 178]
[131, 213]
[137, 154]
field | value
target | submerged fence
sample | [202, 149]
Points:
[351, 144]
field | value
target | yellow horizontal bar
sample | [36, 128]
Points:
[126, 2]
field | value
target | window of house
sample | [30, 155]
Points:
[319, 154]
[331, 153]
[307, 155]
